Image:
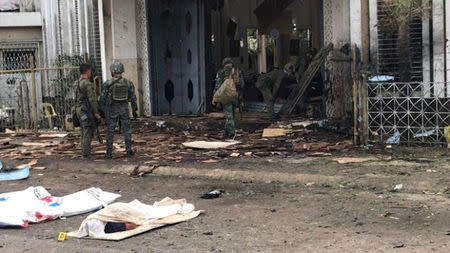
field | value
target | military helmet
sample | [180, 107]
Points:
[117, 67]
[227, 61]
[289, 67]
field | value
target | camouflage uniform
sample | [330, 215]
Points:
[85, 89]
[118, 110]
[229, 109]
[269, 84]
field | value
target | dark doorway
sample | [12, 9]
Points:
[177, 56]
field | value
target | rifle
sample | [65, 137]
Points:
[241, 107]
[97, 131]
[95, 122]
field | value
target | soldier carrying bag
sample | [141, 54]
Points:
[227, 92]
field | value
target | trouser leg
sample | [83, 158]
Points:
[229, 120]
[87, 133]
[111, 126]
[125, 127]
[268, 100]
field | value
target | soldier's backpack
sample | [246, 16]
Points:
[227, 92]
[119, 91]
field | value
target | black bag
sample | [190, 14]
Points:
[75, 119]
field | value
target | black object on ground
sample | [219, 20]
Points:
[213, 194]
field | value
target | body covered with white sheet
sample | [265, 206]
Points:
[36, 204]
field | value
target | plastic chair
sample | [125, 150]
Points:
[49, 113]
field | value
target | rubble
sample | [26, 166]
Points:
[275, 132]
[181, 139]
[346, 160]
[14, 174]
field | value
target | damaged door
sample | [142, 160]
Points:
[176, 38]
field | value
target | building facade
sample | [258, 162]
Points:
[172, 48]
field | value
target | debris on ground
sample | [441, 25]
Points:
[14, 174]
[210, 144]
[30, 164]
[157, 141]
[346, 160]
[275, 132]
[389, 215]
[36, 204]
[398, 245]
[424, 134]
[397, 188]
[119, 221]
[395, 139]
[142, 170]
[214, 194]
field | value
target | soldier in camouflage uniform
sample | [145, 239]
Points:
[229, 109]
[270, 83]
[86, 108]
[117, 93]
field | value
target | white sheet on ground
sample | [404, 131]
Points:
[210, 144]
[36, 204]
[147, 217]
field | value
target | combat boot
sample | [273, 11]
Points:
[108, 154]
[130, 153]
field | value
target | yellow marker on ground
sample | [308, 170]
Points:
[63, 237]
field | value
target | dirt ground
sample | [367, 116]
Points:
[322, 207]
[279, 201]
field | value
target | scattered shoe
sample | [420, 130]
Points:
[213, 194]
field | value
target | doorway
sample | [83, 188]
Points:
[177, 56]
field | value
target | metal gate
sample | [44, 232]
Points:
[417, 112]
[177, 41]
[32, 96]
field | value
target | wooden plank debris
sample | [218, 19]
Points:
[53, 135]
[296, 95]
[275, 132]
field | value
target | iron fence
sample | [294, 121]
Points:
[37, 97]
[416, 112]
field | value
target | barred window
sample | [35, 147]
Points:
[13, 59]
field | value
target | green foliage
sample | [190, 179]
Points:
[402, 12]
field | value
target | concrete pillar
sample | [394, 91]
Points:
[426, 50]
[262, 56]
[82, 27]
[143, 59]
[355, 22]
[102, 39]
[124, 48]
[438, 47]
[447, 42]
[373, 30]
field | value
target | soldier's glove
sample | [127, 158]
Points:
[134, 115]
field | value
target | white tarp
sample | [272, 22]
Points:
[146, 217]
[9, 5]
[36, 204]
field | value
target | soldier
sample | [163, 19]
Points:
[269, 84]
[229, 109]
[117, 93]
[87, 108]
